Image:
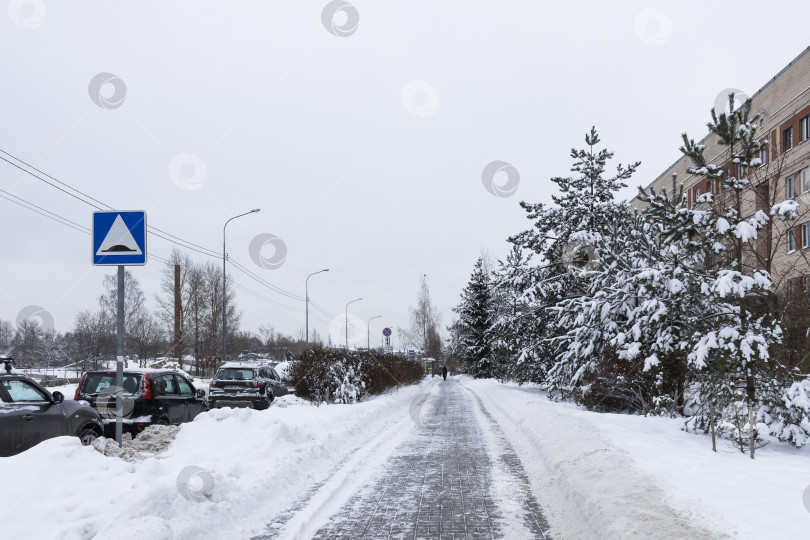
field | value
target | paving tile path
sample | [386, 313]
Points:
[454, 477]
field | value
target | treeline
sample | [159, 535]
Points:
[675, 309]
[149, 333]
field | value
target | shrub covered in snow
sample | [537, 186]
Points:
[346, 376]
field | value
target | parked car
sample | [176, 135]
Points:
[29, 414]
[150, 396]
[238, 384]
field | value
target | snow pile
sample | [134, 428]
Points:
[149, 442]
[600, 475]
[282, 368]
[291, 400]
[251, 465]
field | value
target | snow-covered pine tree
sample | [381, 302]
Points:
[586, 203]
[599, 345]
[735, 345]
[473, 327]
[669, 302]
[585, 206]
[521, 324]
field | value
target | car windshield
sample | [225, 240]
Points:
[235, 374]
[101, 382]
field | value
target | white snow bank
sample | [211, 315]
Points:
[282, 368]
[228, 474]
[622, 476]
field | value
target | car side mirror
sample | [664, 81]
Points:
[58, 397]
[200, 393]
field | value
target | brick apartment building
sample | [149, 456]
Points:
[783, 107]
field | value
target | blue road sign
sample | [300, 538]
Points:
[386, 332]
[119, 238]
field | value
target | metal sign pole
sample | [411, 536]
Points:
[119, 374]
[119, 239]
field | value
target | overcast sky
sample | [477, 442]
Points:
[363, 144]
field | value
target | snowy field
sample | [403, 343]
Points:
[230, 473]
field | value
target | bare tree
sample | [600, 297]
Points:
[28, 342]
[6, 336]
[425, 320]
[145, 336]
[93, 339]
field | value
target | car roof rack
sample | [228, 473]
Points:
[8, 361]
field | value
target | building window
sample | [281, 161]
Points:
[790, 187]
[788, 139]
[709, 186]
[805, 175]
[791, 240]
[697, 194]
[806, 280]
[804, 124]
[763, 155]
[793, 285]
[805, 235]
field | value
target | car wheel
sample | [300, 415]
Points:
[163, 422]
[88, 435]
[270, 398]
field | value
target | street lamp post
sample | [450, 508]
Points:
[224, 288]
[306, 288]
[368, 331]
[347, 320]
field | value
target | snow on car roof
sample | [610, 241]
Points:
[245, 363]
[134, 370]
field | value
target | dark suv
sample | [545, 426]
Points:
[245, 385]
[29, 414]
[149, 397]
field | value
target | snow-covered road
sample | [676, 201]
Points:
[453, 476]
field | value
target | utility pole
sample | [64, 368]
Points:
[368, 331]
[178, 314]
[225, 288]
[347, 320]
[306, 289]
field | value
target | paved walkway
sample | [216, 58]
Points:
[454, 477]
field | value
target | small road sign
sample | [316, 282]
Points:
[387, 332]
[119, 238]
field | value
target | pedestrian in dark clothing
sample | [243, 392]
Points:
[444, 372]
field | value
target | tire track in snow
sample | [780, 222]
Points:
[308, 515]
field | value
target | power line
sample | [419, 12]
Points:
[269, 285]
[156, 231]
[41, 211]
[239, 266]
[76, 226]
[264, 298]
[51, 177]
[55, 217]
